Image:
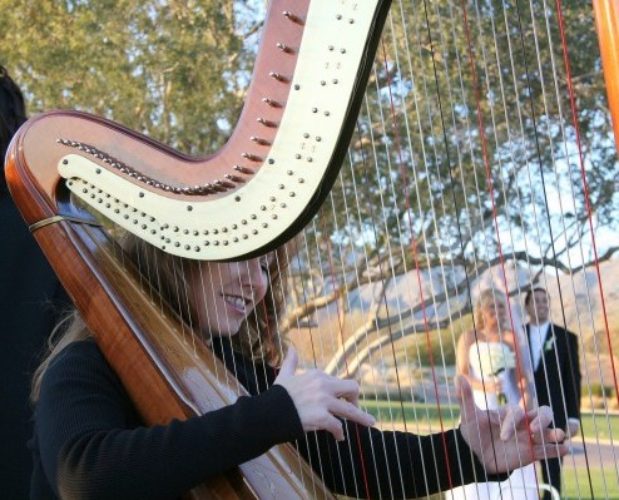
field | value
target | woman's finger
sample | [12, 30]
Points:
[334, 426]
[543, 452]
[513, 417]
[289, 364]
[465, 398]
[345, 388]
[344, 409]
[549, 436]
[542, 420]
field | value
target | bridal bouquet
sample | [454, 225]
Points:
[490, 359]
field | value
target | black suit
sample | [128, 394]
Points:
[557, 384]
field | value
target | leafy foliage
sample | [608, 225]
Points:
[465, 150]
[175, 71]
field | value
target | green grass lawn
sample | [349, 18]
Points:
[603, 483]
[601, 426]
[595, 425]
[424, 418]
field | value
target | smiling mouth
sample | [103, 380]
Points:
[237, 302]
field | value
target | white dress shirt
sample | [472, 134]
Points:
[537, 337]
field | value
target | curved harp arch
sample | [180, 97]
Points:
[268, 180]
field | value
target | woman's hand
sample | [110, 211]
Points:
[320, 398]
[527, 401]
[508, 438]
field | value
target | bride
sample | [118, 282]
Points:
[487, 357]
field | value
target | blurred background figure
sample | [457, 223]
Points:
[487, 356]
[31, 300]
[554, 357]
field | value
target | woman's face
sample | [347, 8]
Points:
[494, 314]
[225, 293]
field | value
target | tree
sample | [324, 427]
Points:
[175, 71]
[463, 149]
[466, 157]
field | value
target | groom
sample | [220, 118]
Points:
[554, 355]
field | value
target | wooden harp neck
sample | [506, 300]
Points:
[267, 181]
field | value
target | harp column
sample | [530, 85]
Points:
[607, 24]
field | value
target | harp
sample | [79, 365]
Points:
[423, 190]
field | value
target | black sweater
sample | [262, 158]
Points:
[89, 441]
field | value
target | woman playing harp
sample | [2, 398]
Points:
[89, 434]
[90, 441]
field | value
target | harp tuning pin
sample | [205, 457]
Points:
[278, 76]
[284, 48]
[271, 102]
[224, 184]
[234, 178]
[217, 187]
[206, 188]
[258, 140]
[293, 18]
[267, 123]
[243, 170]
[251, 157]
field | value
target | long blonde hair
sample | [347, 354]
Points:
[487, 297]
[258, 337]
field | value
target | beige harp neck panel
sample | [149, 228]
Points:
[419, 158]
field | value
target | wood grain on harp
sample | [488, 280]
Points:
[277, 172]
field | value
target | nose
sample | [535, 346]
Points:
[255, 278]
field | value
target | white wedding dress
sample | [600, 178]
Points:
[521, 484]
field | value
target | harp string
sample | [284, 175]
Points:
[413, 249]
[344, 272]
[383, 277]
[317, 347]
[287, 265]
[513, 149]
[528, 166]
[490, 183]
[572, 363]
[343, 290]
[494, 127]
[434, 54]
[414, 244]
[356, 437]
[575, 121]
[553, 162]
[577, 139]
[441, 115]
[452, 182]
[494, 181]
[535, 128]
[340, 324]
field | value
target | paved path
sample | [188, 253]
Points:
[598, 454]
